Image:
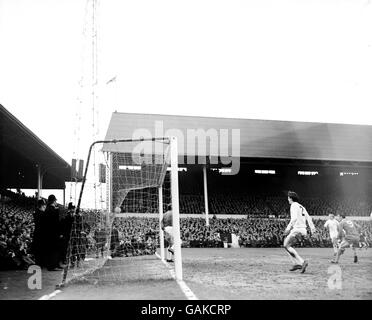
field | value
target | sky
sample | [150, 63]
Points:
[303, 60]
[285, 60]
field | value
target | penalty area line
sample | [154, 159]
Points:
[182, 284]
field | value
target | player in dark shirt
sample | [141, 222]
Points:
[363, 243]
[349, 235]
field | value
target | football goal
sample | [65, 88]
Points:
[123, 239]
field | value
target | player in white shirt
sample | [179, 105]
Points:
[167, 227]
[297, 228]
[332, 225]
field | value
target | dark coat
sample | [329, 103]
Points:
[50, 235]
[65, 231]
[37, 236]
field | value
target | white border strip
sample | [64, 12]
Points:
[183, 286]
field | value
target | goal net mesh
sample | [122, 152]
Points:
[118, 243]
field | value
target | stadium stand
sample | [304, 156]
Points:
[264, 206]
[252, 232]
[138, 235]
[257, 205]
[16, 221]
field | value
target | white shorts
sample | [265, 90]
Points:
[334, 237]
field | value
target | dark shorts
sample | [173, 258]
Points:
[295, 236]
[351, 240]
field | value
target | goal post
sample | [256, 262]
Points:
[141, 177]
[175, 208]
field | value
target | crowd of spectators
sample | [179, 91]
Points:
[23, 241]
[135, 235]
[264, 206]
[16, 228]
[252, 232]
[248, 204]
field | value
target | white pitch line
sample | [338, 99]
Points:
[48, 296]
[183, 286]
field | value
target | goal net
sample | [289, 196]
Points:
[124, 240]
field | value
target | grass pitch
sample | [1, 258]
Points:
[212, 273]
[263, 273]
[246, 273]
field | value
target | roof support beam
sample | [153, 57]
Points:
[39, 181]
[205, 181]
